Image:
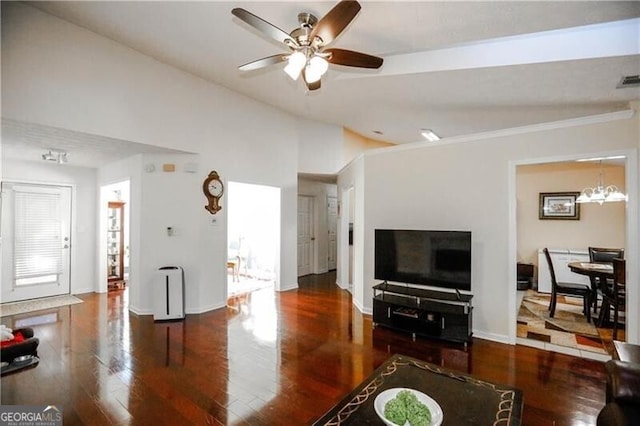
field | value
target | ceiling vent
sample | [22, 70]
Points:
[629, 81]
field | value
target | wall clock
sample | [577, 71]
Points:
[213, 190]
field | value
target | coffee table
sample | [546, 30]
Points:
[463, 398]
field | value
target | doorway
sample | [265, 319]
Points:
[253, 238]
[589, 224]
[36, 230]
[347, 219]
[114, 261]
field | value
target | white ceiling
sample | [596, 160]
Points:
[29, 141]
[536, 83]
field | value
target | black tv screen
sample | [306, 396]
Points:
[431, 258]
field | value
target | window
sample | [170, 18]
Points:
[38, 237]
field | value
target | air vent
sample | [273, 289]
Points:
[629, 81]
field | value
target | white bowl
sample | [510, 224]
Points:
[385, 396]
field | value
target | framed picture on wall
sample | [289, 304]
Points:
[559, 205]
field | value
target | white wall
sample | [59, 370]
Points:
[466, 186]
[321, 147]
[57, 74]
[83, 222]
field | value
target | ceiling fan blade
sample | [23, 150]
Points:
[336, 20]
[351, 58]
[264, 27]
[310, 86]
[264, 62]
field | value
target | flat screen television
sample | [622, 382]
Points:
[430, 258]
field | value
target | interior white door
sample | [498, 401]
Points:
[305, 235]
[332, 225]
[36, 240]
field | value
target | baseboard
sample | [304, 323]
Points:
[84, 290]
[366, 311]
[140, 311]
[203, 309]
[293, 287]
[339, 284]
[500, 338]
[187, 311]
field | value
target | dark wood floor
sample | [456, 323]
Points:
[265, 360]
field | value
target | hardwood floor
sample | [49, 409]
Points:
[268, 359]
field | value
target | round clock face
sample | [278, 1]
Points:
[215, 188]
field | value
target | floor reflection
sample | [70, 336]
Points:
[253, 350]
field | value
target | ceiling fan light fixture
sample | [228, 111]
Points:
[308, 43]
[319, 64]
[316, 67]
[310, 76]
[297, 61]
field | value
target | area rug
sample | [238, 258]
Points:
[15, 308]
[568, 327]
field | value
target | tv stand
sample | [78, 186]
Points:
[424, 312]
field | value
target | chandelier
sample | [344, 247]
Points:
[601, 193]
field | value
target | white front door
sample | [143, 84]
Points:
[305, 235]
[36, 241]
[332, 219]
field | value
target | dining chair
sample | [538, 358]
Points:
[569, 289]
[602, 255]
[614, 296]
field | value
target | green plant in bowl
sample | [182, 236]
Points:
[406, 407]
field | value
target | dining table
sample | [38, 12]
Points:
[592, 269]
[601, 272]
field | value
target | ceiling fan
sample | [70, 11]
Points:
[309, 55]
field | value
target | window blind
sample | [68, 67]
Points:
[38, 235]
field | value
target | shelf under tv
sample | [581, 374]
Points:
[424, 312]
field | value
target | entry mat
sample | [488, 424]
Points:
[15, 308]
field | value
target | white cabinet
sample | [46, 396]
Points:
[560, 258]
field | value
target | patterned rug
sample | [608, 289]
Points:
[15, 308]
[568, 327]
